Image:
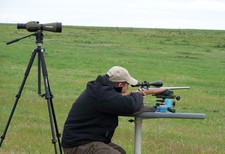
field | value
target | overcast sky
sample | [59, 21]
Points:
[191, 14]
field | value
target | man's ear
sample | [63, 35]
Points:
[120, 84]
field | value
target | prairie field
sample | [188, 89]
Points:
[178, 57]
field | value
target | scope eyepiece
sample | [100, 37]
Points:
[21, 26]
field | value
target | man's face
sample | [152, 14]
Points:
[124, 87]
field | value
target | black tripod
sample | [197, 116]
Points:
[48, 95]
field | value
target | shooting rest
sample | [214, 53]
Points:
[150, 115]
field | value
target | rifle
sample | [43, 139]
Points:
[166, 100]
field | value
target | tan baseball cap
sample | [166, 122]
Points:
[120, 74]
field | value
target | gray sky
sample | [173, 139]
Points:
[191, 14]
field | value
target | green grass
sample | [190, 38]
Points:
[178, 57]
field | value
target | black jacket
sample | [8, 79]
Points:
[94, 115]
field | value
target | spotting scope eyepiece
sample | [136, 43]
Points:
[34, 26]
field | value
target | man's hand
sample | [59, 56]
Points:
[126, 94]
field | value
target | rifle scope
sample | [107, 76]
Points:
[148, 84]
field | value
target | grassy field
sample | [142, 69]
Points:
[178, 57]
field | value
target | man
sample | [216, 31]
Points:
[93, 117]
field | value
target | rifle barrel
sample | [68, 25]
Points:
[175, 88]
[172, 88]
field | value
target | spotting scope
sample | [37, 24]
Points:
[34, 26]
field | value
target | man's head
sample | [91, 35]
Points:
[120, 74]
[121, 77]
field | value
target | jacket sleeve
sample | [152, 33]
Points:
[114, 103]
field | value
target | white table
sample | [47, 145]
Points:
[149, 115]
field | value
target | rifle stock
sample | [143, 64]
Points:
[152, 91]
[144, 92]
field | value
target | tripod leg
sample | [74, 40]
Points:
[18, 94]
[39, 75]
[56, 127]
[48, 96]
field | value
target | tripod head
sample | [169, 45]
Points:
[39, 38]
